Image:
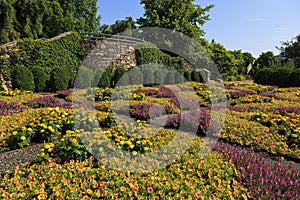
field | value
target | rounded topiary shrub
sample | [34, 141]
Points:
[22, 78]
[40, 78]
[187, 75]
[135, 76]
[170, 79]
[159, 76]
[84, 78]
[120, 71]
[295, 78]
[263, 76]
[178, 77]
[105, 79]
[281, 77]
[124, 80]
[148, 77]
[59, 79]
[195, 76]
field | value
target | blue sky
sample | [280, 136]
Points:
[250, 25]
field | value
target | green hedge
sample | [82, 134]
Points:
[59, 79]
[282, 77]
[148, 53]
[40, 78]
[22, 78]
[84, 78]
[65, 52]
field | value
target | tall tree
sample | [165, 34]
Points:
[179, 15]
[45, 18]
[120, 26]
[266, 59]
[8, 21]
[290, 51]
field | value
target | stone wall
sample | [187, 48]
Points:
[104, 53]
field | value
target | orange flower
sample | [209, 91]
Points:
[149, 189]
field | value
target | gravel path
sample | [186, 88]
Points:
[10, 159]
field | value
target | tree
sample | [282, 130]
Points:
[266, 59]
[248, 62]
[179, 15]
[123, 25]
[35, 18]
[290, 51]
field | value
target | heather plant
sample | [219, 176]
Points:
[265, 180]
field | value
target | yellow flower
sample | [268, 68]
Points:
[134, 153]
[23, 138]
[146, 148]
[73, 141]
[47, 146]
[50, 149]
[29, 129]
[15, 133]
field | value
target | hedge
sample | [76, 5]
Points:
[59, 79]
[22, 78]
[40, 78]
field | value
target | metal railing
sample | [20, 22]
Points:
[117, 37]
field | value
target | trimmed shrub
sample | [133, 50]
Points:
[295, 78]
[148, 77]
[124, 80]
[40, 78]
[187, 75]
[135, 76]
[281, 77]
[263, 76]
[170, 79]
[178, 78]
[195, 76]
[59, 79]
[22, 78]
[120, 71]
[98, 74]
[84, 78]
[105, 79]
[159, 76]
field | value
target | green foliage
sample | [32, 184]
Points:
[178, 78]
[159, 76]
[120, 26]
[295, 78]
[124, 80]
[59, 79]
[170, 78]
[135, 76]
[40, 78]
[290, 51]
[35, 19]
[178, 15]
[148, 53]
[22, 78]
[120, 71]
[187, 75]
[263, 76]
[266, 59]
[105, 79]
[148, 76]
[195, 76]
[281, 77]
[84, 78]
